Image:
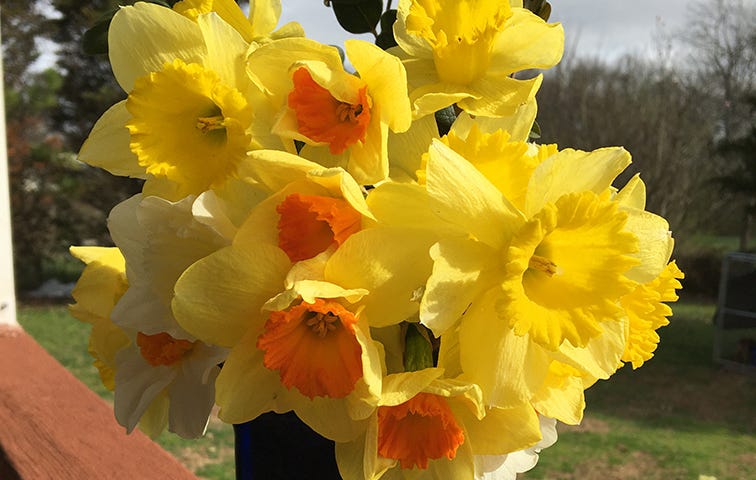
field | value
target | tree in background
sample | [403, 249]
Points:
[741, 180]
[670, 112]
[722, 43]
[55, 200]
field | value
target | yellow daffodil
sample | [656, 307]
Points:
[305, 349]
[428, 427]
[258, 27]
[552, 265]
[102, 283]
[465, 52]
[192, 113]
[647, 312]
[158, 380]
[344, 119]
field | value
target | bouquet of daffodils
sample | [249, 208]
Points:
[307, 239]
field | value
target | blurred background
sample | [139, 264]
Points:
[675, 84]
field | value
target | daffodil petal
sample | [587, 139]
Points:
[633, 194]
[264, 15]
[460, 266]
[656, 239]
[465, 197]
[143, 37]
[221, 296]
[244, 387]
[518, 124]
[137, 385]
[504, 430]
[385, 77]
[492, 355]
[499, 95]
[405, 151]
[226, 49]
[107, 145]
[571, 171]
[391, 263]
[527, 42]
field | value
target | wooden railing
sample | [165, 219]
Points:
[53, 427]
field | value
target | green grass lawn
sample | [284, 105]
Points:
[678, 417]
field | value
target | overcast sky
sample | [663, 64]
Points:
[604, 28]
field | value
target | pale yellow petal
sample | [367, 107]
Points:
[633, 194]
[221, 296]
[518, 124]
[462, 267]
[656, 244]
[244, 388]
[499, 95]
[264, 15]
[527, 42]
[386, 79]
[405, 151]
[391, 263]
[145, 36]
[571, 171]
[226, 50]
[107, 145]
[504, 430]
[493, 356]
[465, 197]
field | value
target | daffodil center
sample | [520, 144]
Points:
[188, 126]
[326, 364]
[461, 34]
[162, 348]
[418, 430]
[208, 124]
[542, 264]
[325, 119]
[322, 323]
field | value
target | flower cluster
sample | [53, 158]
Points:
[430, 303]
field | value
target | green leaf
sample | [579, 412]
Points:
[535, 131]
[444, 119]
[418, 350]
[386, 38]
[358, 16]
[95, 40]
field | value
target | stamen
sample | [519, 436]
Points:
[348, 112]
[208, 124]
[543, 264]
[322, 323]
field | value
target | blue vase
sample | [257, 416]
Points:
[282, 447]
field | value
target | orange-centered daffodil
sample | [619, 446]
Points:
[326, 119]
[418, 430]
[313, 347]
[309, 224]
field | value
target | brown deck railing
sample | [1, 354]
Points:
[53, 427]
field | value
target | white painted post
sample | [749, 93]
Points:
[7, 286]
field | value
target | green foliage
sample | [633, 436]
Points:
[357, 16]
[418, 350]
[542, 8]
[386, 39]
